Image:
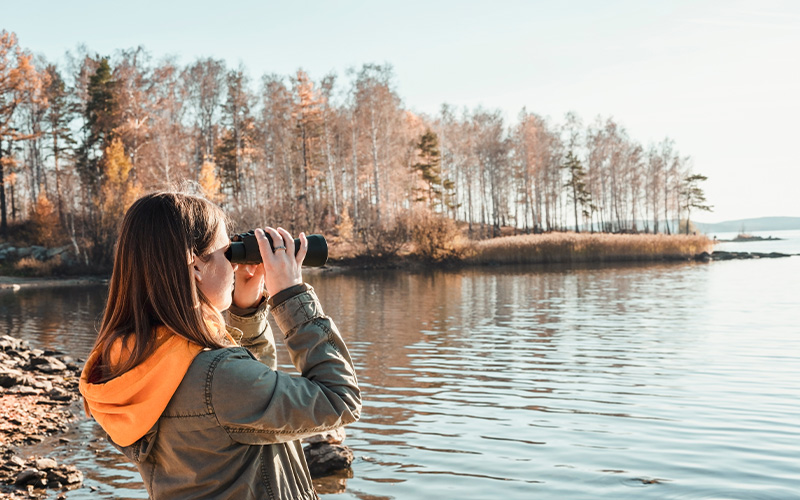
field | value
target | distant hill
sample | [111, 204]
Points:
[748, 225]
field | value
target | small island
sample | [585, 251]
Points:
[744, 237]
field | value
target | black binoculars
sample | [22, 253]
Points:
[244, 249]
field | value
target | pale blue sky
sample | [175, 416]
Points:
[721, 78]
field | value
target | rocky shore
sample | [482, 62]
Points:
[720, 255]
[38, 398]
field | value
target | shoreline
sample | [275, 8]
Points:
[367, 263]
[38, 402]
[14, 283]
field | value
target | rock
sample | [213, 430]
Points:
[15, 462]
[46, 463]
[27, 390]
[44, 385]
[47, 364]
[10, 377]
[722, 255]
[22, 252]
[324, 459]
[66, 474]
[19, 354]
[703, 257]
[59, 394]
[7, 343]
[29, 476]
[335, 436]
[56, 251]
[39, 253]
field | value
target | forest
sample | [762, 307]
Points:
[342, 155]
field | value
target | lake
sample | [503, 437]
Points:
[645, 381]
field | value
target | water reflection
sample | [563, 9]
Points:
[64, 318]
[631, 381]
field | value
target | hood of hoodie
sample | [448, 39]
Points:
[128, 406]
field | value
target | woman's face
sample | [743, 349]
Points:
[214, 273]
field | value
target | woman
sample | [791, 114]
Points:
[197, 404]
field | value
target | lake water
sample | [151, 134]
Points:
[648, 381]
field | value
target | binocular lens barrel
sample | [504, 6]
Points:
[244, 250]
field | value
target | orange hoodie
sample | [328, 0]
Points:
[127, 406]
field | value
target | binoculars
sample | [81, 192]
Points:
[244, 249]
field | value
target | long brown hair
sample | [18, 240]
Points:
[152, 284]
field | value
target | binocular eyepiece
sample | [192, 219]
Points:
[244, 249]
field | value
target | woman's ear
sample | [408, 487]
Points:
[195, 266]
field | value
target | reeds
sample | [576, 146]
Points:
[586, 247]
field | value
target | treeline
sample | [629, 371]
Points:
[340, 155]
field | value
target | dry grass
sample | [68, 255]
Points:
[585, 247]
[28, 266]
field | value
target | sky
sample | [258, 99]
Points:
[719, 77]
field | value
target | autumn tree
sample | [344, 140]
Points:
[167, 155]
[236, 143]
[58, 117]
[307, 115]
[205, 89]
[45, 221]
[277, 145]
[19, 82]
[209, 182]
[118, 191]
[377, 120]
[492, 156]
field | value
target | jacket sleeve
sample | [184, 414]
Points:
[257, 405]
[256, 334]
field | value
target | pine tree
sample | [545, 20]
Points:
[436, 192]
[693, 197]
[101, 118]
[576, 183]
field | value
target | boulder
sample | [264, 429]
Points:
[325, 459]
[29, 476]
[10, 377]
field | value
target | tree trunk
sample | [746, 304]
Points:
[374, 134]
[3, 218]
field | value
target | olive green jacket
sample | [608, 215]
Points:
[231, 429]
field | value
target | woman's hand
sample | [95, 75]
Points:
[281, 268]
[248, 286]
